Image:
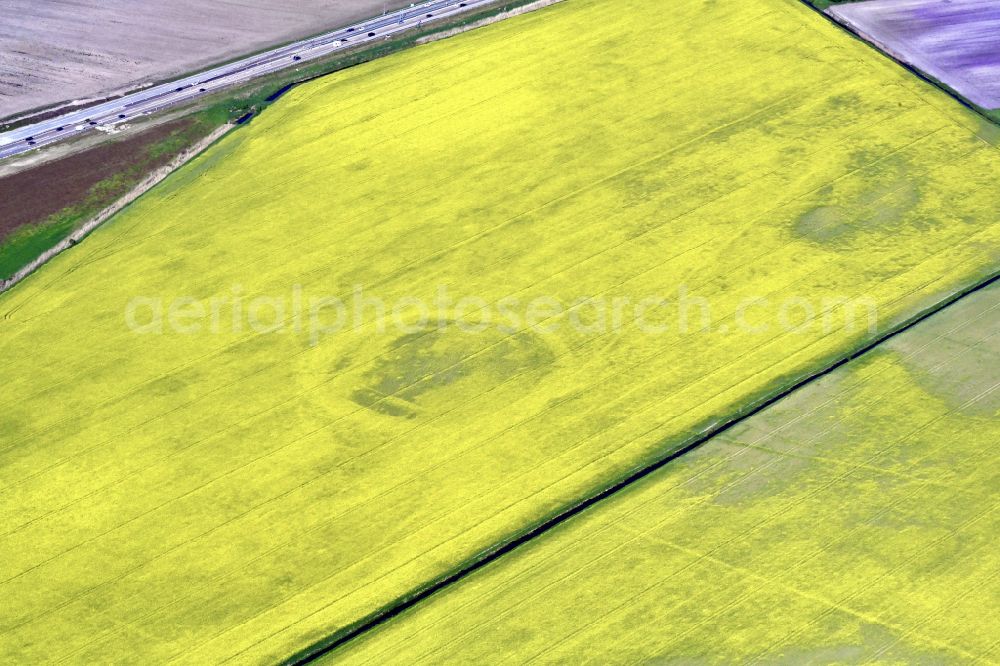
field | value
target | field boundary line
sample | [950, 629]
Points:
[405, 602]
[148, 183]
[488, 20]
[847, 26]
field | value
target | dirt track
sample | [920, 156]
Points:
[62, 50]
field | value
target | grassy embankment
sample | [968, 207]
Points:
[46, 203]
[134, 159]
[852, 522]
[221, 493]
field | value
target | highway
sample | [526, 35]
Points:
[106, 115]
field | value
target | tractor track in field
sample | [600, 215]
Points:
[940, 85]
[410, 600]
[148, 183]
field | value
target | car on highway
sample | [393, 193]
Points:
[226, 74]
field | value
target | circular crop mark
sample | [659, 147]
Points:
[443, 364]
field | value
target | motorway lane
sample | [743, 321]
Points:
[143, 102]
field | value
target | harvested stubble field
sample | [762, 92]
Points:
[225, 494]
[855, 521]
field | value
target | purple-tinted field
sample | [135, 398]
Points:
[955, 41]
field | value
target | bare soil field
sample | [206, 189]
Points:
[29, 196]
[953, 41]
[62, 51]
[44, 204]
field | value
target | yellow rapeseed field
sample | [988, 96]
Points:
[176, 482]
[852, 522]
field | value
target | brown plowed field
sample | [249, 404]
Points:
[34, 194]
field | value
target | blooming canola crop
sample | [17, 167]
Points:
[259, 404]
[853, 521]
